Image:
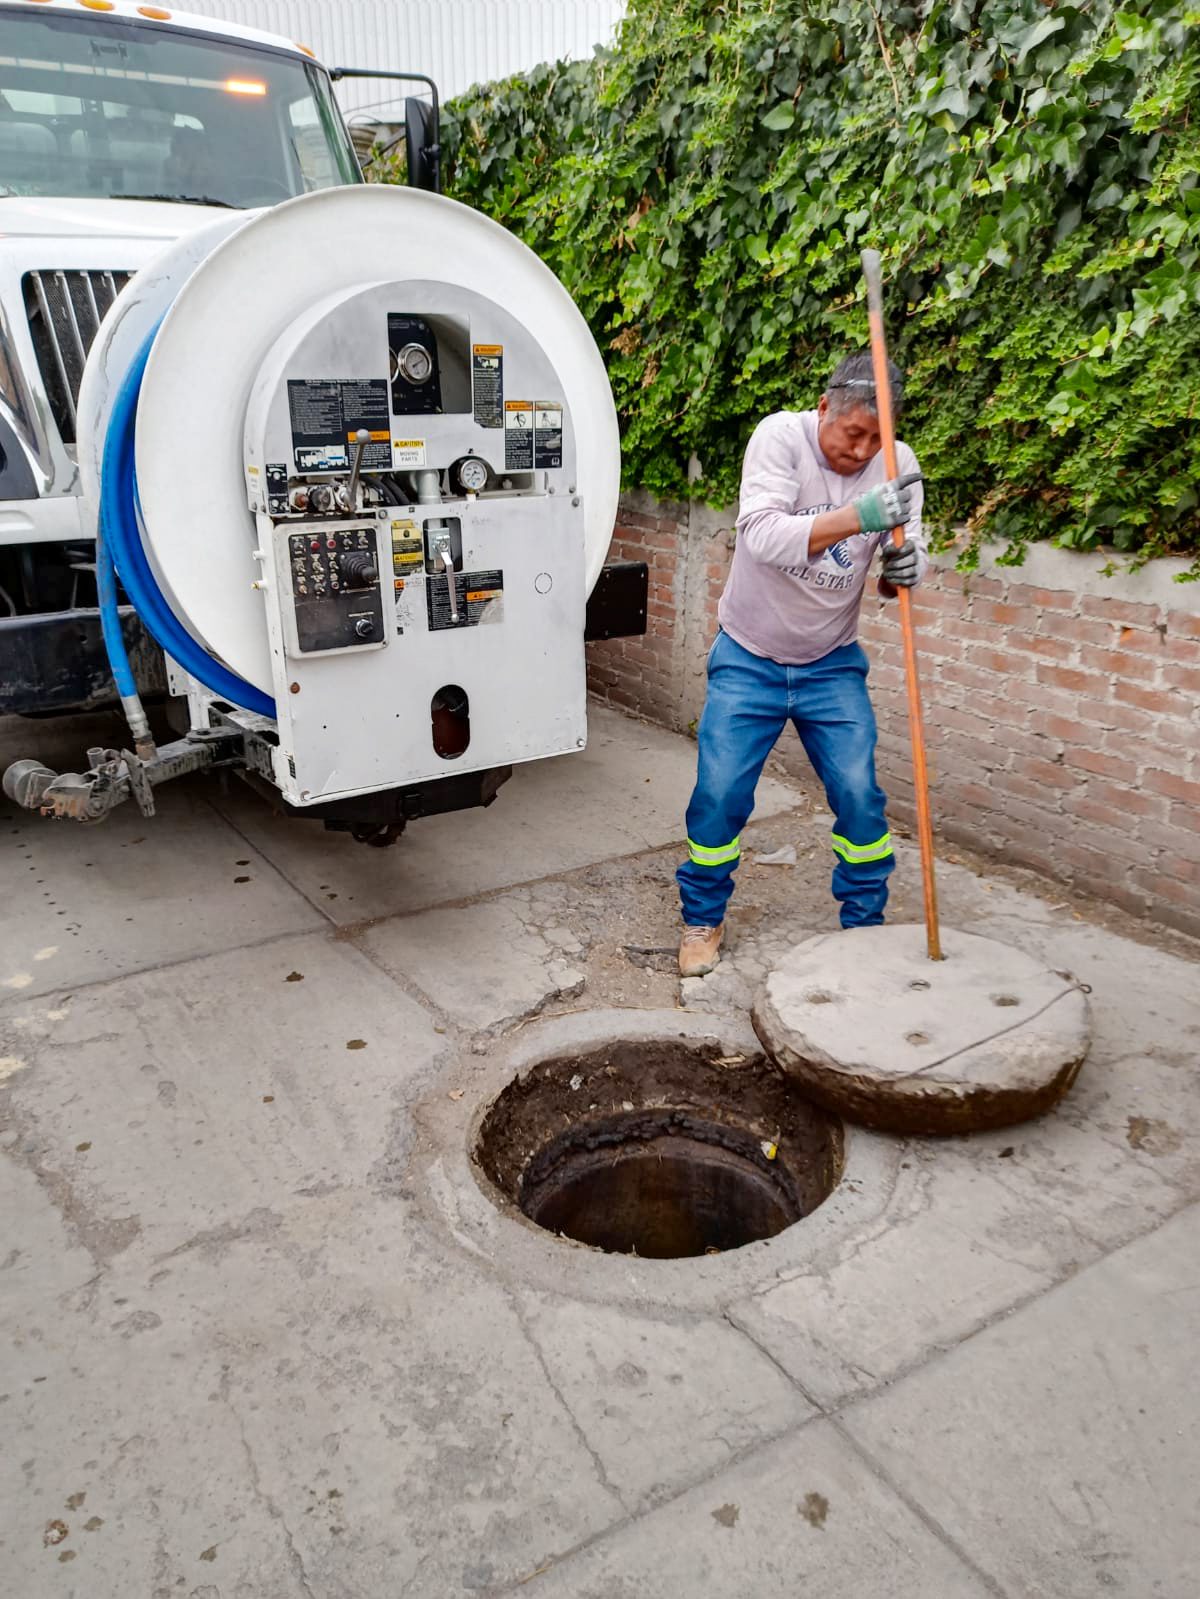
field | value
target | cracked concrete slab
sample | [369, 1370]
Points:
[625, 793]
[659, 1401]
[802, 1515]
[482, 965]
[1063, 1445]
[168, 1107]
[122, 1456]
[132, 893]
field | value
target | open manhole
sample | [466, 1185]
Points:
[662, 1150]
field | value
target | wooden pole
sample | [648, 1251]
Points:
[883, 401]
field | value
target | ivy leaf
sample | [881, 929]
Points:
[779, 118]
[1040, 30]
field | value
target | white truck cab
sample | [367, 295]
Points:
[122, 126]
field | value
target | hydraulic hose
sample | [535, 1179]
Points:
[120, 545]
[114, 647]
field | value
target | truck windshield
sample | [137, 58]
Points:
[110, 108]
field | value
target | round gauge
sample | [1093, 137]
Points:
[414, 363]
[472, 474]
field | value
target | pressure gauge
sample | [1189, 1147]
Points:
[414, 363]
[472, 474]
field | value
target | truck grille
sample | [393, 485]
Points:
[65, 310]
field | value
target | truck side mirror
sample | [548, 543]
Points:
[420, 140]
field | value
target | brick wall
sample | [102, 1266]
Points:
[1062, 708]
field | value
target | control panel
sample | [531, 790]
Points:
[336, 598]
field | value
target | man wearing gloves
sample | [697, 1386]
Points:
[815, 508]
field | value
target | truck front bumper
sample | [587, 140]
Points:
[56, 662]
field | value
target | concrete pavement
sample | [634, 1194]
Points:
[264, 1336]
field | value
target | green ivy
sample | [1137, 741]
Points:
[1029, 169]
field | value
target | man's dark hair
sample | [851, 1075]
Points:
[853, 385]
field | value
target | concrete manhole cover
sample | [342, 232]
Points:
[869, 1027]
[659, 1149]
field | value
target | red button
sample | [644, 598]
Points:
[315, 545]
[331, 544]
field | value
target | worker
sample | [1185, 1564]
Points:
[815, 508]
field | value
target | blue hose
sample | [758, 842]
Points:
[120, 546]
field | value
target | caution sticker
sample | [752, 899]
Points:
[407, 453]
[487, 384]
[518, 435]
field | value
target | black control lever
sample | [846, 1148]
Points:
[358, 568]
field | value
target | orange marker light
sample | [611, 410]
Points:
[305, 48]
[98, 5]
[156, 13]
[244, 86]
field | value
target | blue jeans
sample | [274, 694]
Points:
[749, 703]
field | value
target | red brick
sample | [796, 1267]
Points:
[1103, 763]
[999, 661]
[990, 587]
[1045, 599]
[1096, 811]
[1084, 631]
[1066, 728]
[971, 632]
[1069, 677]
[1027, 789]
[1153, 700]
[1185, 623]
[970, 677]
[1184, 816]
[1180, 788]
[637, 520]
[1184, 651]
[1124, 663]
[1175, 844]
[1049, 648]
[1051, 774]
[1006, 615]
[1115, 610]
[1133, 801]
[1183, 677]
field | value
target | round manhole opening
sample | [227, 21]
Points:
[662, 1150]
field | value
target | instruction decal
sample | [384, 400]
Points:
[480, 599]
[487, 384]
[547, 433]
[518, 435]
[326, 413]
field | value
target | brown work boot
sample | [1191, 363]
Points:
[700, 950]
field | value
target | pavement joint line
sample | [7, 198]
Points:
[20, 1000]
[915, 1508]
[830, 1414]
[737, 1457]
[1064, 1279]
[263, 853]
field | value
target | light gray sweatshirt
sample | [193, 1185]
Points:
[777, 602]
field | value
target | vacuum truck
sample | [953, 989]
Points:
[332, 465]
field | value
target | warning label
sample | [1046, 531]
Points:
[518, 435]
[408, 452]
[327, 413]
[479, 597]
[487, 384]
[407, 547]
[547, 433]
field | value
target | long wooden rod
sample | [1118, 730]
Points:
[916, 727]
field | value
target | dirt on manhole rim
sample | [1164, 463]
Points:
[663, 1149]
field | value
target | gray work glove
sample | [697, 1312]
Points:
[888, 506]
[901, 565]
